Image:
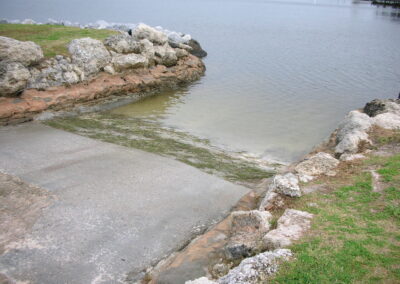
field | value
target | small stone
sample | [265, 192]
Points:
[287, 184]
[202, 280]
[109, 69]
[272, 201]
[351, 157]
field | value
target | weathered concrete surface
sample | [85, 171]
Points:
[115, 209]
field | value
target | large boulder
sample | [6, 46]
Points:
[287, 184]
[165, 55]
[123, 43]
[128, 61]
[352, 133]
[143, 31]
[318, 164]
[197, 50]
[24, 52]
[89, 54]
[291, 226]
[13, 78]
[248, 229]
[256, 269]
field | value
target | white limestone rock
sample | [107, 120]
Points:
[352, 131]
[272, 200]
[24, 52]
[143, 31]
[351, 157]
[202, 280]
[89, 54]
[291, 226]
[287, 184]
[13, 78]
[165, 55]
[123, 62]
[388, 120]
[256, 269]
[123, 43]
[318, 164]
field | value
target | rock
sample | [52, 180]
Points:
[248, 228]
[305, 178]
[165, 55]
[180, 53]
[123, 43]
[287, 184]
[319, 164]
[351, 157]
[272, 201]
[256, 269]
[13, 78]
[220, 269]
[375, 107]
[291, 226]
[109, 69]
[202, 280]
[28, 22]
[387, 120]
[352, 132]
[196, 49]
[148, 50]
[143, 31]
[89, 54]
[24, 52]
[55, 72]
[128, 61]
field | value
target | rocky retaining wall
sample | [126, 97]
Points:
[143, 61]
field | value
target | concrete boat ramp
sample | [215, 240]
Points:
[113, 209]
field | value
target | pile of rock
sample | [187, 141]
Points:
[23, 66]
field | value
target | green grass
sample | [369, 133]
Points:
[355, 237]
[152, 137]
[53, 39]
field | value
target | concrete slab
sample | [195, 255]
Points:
[116, 209]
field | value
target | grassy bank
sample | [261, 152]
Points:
[53, 39]
[355, 236]
[152, 137]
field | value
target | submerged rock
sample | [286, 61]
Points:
[352, 132]
[248, 228]
[89, 54]
[256, 269]
[318, 164]
[287, 184]
[24, 52]
[13, 78]
[291, 226]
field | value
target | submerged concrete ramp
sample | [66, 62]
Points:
[114, 209]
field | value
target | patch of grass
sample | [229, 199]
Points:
[355, 236]
[53, 39]
[152, 137]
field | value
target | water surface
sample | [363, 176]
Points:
[280, 74]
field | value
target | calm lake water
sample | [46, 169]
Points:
[280, 74]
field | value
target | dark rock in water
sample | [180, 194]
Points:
[375, 107]
[196, 49]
